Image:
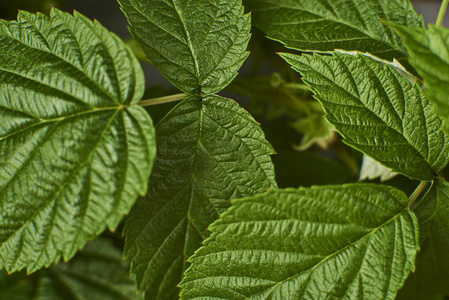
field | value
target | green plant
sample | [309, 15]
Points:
[79, 151]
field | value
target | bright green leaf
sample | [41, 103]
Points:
[75, 150]
[429, 52]
[431, 279]
[96, 273]
[378, 111]
[198, 45]
[209, 151]
[333, 242]
[325, 26]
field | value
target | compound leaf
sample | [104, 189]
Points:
[378, 111]
[324, 26]
[431, 279]
[353, 241]
[198, 45]
[96, 273]
[429, 53]
[75, 150]
[209, 151]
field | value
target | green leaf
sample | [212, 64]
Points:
[76, 151]
[431, 279]
[209, 151]
[429, 52]
[324, 26]
[198, 45]
[97, 272]
[333, 242]
[378, 111]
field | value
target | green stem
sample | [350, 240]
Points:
[423, 185]
[162, 100]
[442, 12]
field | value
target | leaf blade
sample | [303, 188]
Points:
[219, 147]
[97, 272]
[430, 280]
[207, 40]
[430, 57]
[377, 110]
[325, 26]
[68, 130]
[307, 244]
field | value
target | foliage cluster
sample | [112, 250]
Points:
[204, 215]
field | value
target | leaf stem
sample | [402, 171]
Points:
[423, 185]
[162, 100]
[442, 12]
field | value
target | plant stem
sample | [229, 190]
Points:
[423, 185]
[162, 100]
[442, 12]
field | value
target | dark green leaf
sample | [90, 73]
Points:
[429, 52]
[75, 149]
[325, 25]
[96, 273]
[378, 111]
[209, 151]
[431, 279]
[198, 45]
[335, 242]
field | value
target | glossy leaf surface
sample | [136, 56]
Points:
[429, 52]
[209, 151]
[326, 25]
[198, 45]
[75, 150]
[378, 111]
[330, 242]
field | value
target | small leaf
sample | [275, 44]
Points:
[198, 45]
[209, 151]
[97, 272]
[371, 169]
[324, 26]
[75, 150]
[431, 279]
[354, 241]
[378, 111]
[429, 52]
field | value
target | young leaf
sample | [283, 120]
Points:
[429, 52]
[198, 45]
[431, 279]
[324, 26]
[76, 151]
[353, 241]
[97, 272]
[209, 151]
[378, 111]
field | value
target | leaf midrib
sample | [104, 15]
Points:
[62, 118]
[311, 269]
[283, 5]
[66, 182]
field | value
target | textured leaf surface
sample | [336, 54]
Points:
[339, 24]
[209, 151]
[330, 242]
[378, 111]
[75, 151]
[431, 279]
[96, 273]
[198, 45]
[429, 52]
